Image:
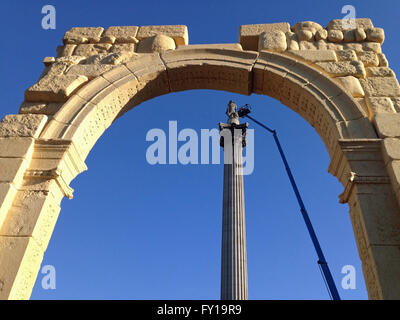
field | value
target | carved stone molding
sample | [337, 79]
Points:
[52, 174]
[354, 179]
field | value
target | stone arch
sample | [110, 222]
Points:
[99, 75]
[322, 102]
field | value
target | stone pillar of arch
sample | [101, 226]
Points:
[338, 80]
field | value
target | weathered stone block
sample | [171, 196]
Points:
[379, 214]
[346, 55]
[341, 24]
[88, 50]
[396, 103]
[307, 25]
[90, 71]
[360, 34]
[380, 72]
[379, 105]
[315, 55]
[343, 68]
[386, 259]
[22, 125]
[274, 41]
[107, 39]
[68, 61]
[382, 60]
[55, 69]
[354, 129]
[157, 43]
[33, 214]
[375, 35]
[124, 34]
[387, 125]
[304, 35]
[54, 88]
[83, 35]
[372, 46]
[357, 47]
[118, 57]
[292, 41]
[179, 33]
[12, 170]
[381, 87]
[20, 259]
[363, 105]
[249, 34]
[349, 36]
[307, 45]
[98, 58]
[39, 108]
[391, 149]
[118, 47]
[369, 58]
[325, 45]
[48, 61]
[335, 35]
[66, 50]
[351, 85]
[13, 147]
[321, 34]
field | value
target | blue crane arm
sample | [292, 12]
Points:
[321, 258]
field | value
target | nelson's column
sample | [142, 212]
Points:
[234, 255]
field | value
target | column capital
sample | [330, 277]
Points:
[232, 127]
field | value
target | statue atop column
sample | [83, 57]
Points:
[233, 249]
[233, 116]
[233, 123]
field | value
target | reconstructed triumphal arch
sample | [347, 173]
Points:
[336, 78]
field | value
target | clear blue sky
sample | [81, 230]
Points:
[136, 231]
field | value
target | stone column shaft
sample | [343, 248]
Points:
[234, 255]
